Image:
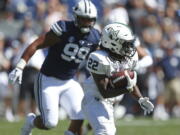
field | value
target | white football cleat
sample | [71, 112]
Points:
[9, 115]
[27, 128]
[160, 113]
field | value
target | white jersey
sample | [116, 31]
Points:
[100, 62]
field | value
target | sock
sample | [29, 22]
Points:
[68, 133]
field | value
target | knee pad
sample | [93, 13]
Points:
[68, 133]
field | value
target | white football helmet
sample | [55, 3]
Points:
[119, 39]
[85, 14]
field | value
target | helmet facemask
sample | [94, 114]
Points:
[84, 23]
[128, 49]
[85, 14]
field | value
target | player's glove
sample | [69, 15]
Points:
[146, 105]
[131, 82]
[15, 76]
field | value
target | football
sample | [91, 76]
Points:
[119, 80]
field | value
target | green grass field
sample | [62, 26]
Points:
[138, 126]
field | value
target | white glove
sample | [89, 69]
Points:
[131, 82]
[15, 76]
[146, 105]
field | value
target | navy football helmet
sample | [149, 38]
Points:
[85, 14]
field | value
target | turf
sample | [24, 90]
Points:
[138, 126]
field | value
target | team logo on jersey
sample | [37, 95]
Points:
[71, 39]
[89, 44]
[132, 64]
[81, 42]
[113, 35]
[119, 66]
[116, 66]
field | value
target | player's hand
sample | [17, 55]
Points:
[131, 82]
[15, 76]
[146, 105]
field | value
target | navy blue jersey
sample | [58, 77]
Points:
[170, 66]
[65, 56]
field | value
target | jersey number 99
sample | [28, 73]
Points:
[74, 52]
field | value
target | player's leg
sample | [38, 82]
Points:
[100, 115]
[33, 72]
[70, 100]
[74, 127]
[27, 90]
[47, 98]
[176, 96]
[6, 94]
[22, 98]
[33, 106]
[87, 128]
[68, 133]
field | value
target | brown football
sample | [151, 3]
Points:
[118, 80]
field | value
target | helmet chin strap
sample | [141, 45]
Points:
[85, 30]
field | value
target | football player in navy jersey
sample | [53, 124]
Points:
[69, 43]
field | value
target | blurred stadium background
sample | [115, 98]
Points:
[155, 22]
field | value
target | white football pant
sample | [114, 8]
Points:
[99, 113]
[51, 92]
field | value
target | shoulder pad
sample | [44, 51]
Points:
[96, 33]
[97, 62]
[137, 42]
[56, 29]
[59, 27]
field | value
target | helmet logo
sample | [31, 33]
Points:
[112, 33]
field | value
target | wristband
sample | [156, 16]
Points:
[21, 64]
[140, 99]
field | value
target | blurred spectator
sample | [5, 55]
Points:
[137, 12]
[28, 27]
[170, 67]
[117, 13]
[5, 91]
[26, 94]
[152, 36]
[170, 33]
[3, 5]
[41, 11]
[56, 11]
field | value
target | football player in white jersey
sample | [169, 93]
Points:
[117, 53]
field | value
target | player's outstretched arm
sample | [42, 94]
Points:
[43, 41]
[49, 39]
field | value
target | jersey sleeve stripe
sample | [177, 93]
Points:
[56, 29]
